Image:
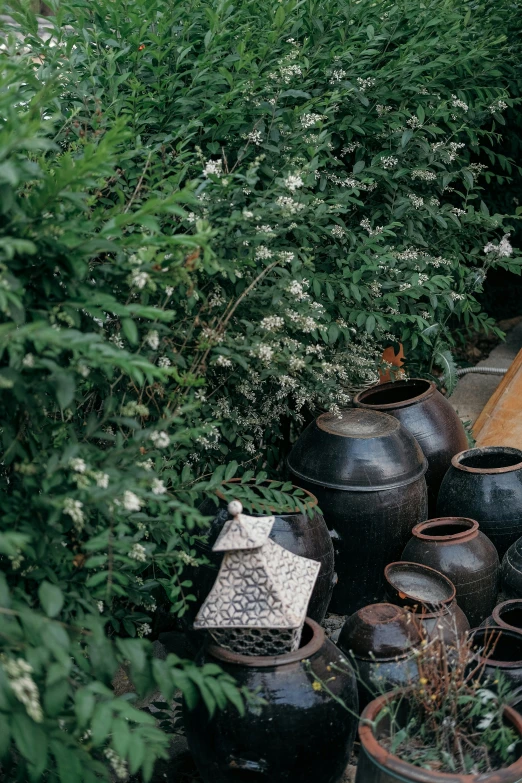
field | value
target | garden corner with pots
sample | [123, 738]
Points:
[250, 257]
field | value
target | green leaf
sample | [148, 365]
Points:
[51, 598]
[130, 330]
[30, 739]
[65, 388]
[84, 702]
[101, 723]
[5, 736]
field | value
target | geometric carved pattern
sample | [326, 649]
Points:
[263, 588]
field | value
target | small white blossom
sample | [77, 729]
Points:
[486, 721]
[116, 340]
[143, 629]
[293, 182]
[214, 167]
[131, 502]
[101, 606]
[365, 84]
[28, 360]
[73, 508]
[338, 232]
[101, 479]
[498, 106]
[414, 122]
[138, 553]
[119, 766]
[417, 201]
[140, 279]
[152, 340]
[158, 487]
[311, 119]
[255, 137]
[77, 464]
[160, 439]
[164, 362]
[263, 252]
[502, 250]
[270, 323]
[223, 361]
[426, 176]
[458, 104]
[389, 162]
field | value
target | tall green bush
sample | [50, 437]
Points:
[212, 219]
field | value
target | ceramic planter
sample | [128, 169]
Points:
[486, 485]
[457, 548]
[300, 734]
[429, 416]
[379, 641]
[367, 472]
[299, 533]
[511, 571]
[377, 765]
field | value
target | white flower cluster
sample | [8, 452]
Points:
[351, 147]
[28, 360]
[456, 297]
[186, 558]
[143, 629]
[338, 232]
[289, 205]
[134, 408]
[77, 464]
[214, 167]
[164, 362]
[262, 252]
[389, 162]
[131, 502]
[139, 279]
[417, 201]
[498, 106]
[270, 323]
[458, 212]
[426, 176]
[410, 254]
[152, 340]
[380, 109]
[119, 766]
[297, 290]
[138, 553]
[23, 686]
[502, 250]
[365, 84]
[414, 122]
[293, 182]
[449, 149]
[158, 487]
[337, 76]
[477, 168]
[373, 232]
[73, 508]
[160, 439]
[255, 137]
[458, 104]
[289, 73]
[223, 361]
[439, 261]
[311, 119]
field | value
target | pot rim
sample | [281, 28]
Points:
[266, 661]
[506, 605]
[456, 461]
[421, 567]
[359, 398]
[391, 764]
[492, 662]
[473, 529]
[313, 502]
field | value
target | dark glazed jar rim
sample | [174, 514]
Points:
[421, 531]
[266, 661]
[514, 603]
[458, 460]
[502, 631]
[436, 576]
[397, 768]
[426, 390]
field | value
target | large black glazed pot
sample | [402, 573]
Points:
[380, 642]
[300, 734]
[508, 615]
[486, 485]
[429, 416]
[511, 571]
[378, 765]
[367, 472]
[300, 533]
[499, 650]
[459, 550]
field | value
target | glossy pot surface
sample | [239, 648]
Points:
[511, 571]
[448, 623]
[508, 615]
[430, 418]
[486, 485]
[379, 640]
[378, 765]
[459, 550]
[300, 734]
[368, 475]
[415, 584]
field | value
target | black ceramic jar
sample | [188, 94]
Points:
[457, 548]
[486, 485]
[511, 571]
[367, 472]
[300, 734]
[429, 416]
[507, 614]
[379, 641]
[302, 534]
[499, 650]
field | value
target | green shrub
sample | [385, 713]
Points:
[212, 219]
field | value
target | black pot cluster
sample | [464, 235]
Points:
[378, 472]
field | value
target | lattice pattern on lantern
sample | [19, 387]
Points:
[258, 603]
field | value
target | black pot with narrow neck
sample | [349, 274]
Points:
[486, 484]
[430, 418]
[301, 733]
[367, 473]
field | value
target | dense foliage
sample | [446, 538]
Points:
[212, 219]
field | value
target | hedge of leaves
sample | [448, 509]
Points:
[212, 219]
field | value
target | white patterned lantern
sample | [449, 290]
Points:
[259, 600]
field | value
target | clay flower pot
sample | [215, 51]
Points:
[511, 571]
[379, 641]
[430, 596]
[430, 418]
[378, 765]
[300, 734]
[458, 549]
[486, 485]
[367, 472]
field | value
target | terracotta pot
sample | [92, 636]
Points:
[377, 765]
[430, 418]
[430, 596]
[500, 650]
[367, 472]
[457, 548]
[486, 485]
[508, 615]
[379, 641]
[300, 734]
[511, 571]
